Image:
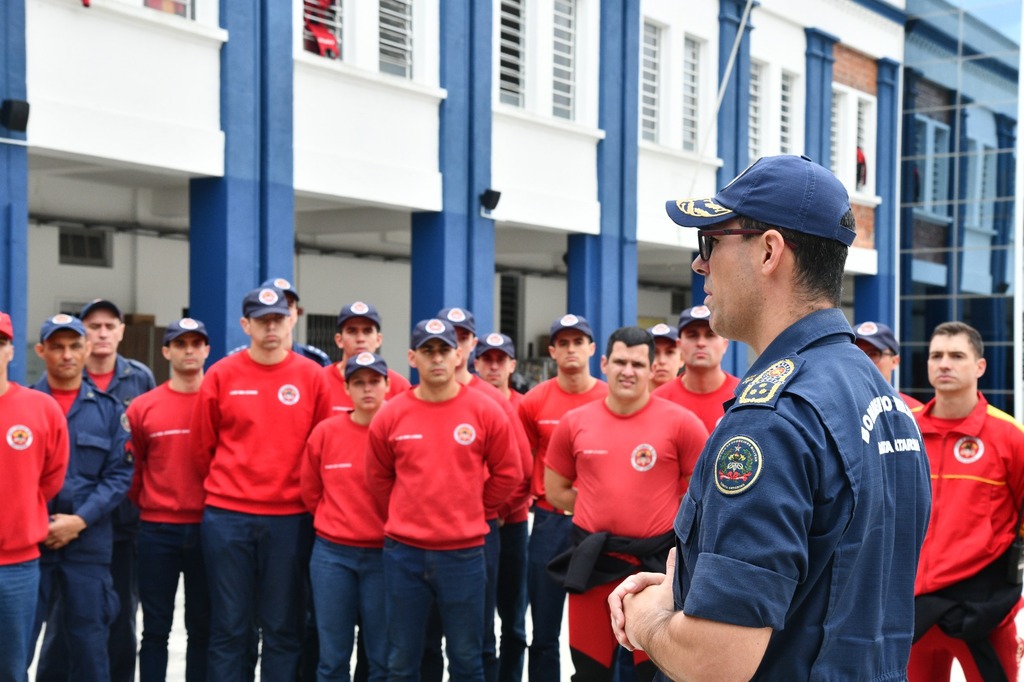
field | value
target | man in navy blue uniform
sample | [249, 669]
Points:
[125, 379]
[798, 539]
[75, 563]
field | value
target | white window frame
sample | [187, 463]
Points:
[844, 137]
[514, 67]
[689, 116]
[933, 166]
[401, 46]
[758, 88]
[651, 51]
[981, 185]
[787, 112]
[564, 83]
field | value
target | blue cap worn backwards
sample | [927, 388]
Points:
[784, 191]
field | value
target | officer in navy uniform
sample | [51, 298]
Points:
[125, 379]
[798, 540]
[312, 352]
[75, 563]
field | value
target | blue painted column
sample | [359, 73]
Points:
[602, 277]
[242, 224]
[818, 112]
[733, 133]
[875, 295]
[910, 194]
[453, 250]
[14, 188]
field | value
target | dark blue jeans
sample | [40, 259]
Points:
[415, 579]
[19, 591]
[166, 551]
[550, 537]
[348, 587]
[255, 567]
[83, 596]
[512, 600]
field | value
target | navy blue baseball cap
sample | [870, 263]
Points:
[359, 309]
[698, 313]
[185, 325]
[265, 301]
[425, 330]
[784, 191]
[282, 284]
[663, 331]
[459, 317]
[878, 335]
[496, 341]
[570, 321]
[366, 360]
[100, 304]
[58, 323]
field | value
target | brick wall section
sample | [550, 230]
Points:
[865, 216]
[934, 101]
[855, 70]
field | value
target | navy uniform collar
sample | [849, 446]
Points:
[805, 332]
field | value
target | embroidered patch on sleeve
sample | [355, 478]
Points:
[764, 387]
[737, 465]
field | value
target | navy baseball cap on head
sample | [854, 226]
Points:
[265, 301]
[459, 317]
[6, 326]
[663, 331]
[783, 191]
[359, 309]
[425, 330]
[698, 313]
[282, 284]
[185, 325]
[100, 304]
[570, 321]
[496, 341]
[878, 335]
[366, 360]
[58, 323]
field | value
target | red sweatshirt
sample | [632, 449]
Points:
[34, 455]
[540, 411]
[426, 468]
[517, 506]
[341, 401]
[334, 484]
[249, 428]
[168, 487]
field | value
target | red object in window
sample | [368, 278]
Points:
[326, 43]
[862, 168]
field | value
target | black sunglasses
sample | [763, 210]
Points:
[705, 246]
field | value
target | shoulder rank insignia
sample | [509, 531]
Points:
[765, 387]
[737, 465]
